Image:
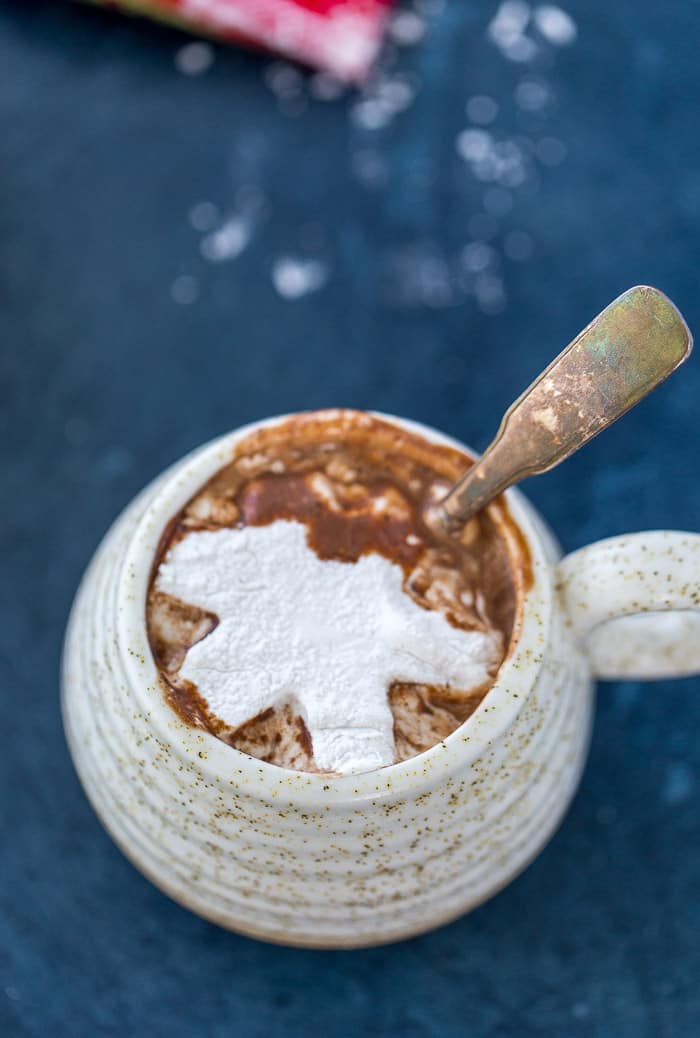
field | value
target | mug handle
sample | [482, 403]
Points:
[614, 594]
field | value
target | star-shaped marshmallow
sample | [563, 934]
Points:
[328, 636]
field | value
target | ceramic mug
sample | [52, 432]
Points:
[323, 861]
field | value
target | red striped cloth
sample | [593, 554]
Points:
[339, 36]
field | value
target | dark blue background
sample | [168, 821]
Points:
[104, 148]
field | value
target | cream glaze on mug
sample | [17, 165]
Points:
[306, 859]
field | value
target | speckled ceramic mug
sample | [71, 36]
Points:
[329, 862]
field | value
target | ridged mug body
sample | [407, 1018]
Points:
[307, 859]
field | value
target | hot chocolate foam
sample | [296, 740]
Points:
[302, 610]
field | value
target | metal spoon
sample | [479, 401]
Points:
[624, 353]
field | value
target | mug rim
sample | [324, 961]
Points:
[224, 765]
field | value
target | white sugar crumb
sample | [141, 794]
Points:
[490, 293]
[508, 28]
[370, 168]
[531, 95]
[294, 629]
[481, 109]
[283, 79]
[396, 93]
[203, 216]
[419, 275]
[324, 87]
[194, 59]
[555, 25]
[184, 290]
[250, 201]
[522, 49]
[228, 241]
[407, 28]
[473, 145]
[371, 114]
[502, 144]
[491, 160]
[510, 21]
[477, 255]
[294, 277]
[382, 100]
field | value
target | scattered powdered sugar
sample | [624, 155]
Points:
[502, 152]
[508, 30]
[510, 21]
[492, 160]
[294, 277]
[502, 148]
[184, 289]
[371, 168]
[478, 256]
[288, 84]
[228, 241]
[490, 293]
[382, 100]
[283, 79]
[406, 28]
[531, 95]
[329, 637]
[325, 87]
[481, 109]
[371, 114]
[226, 238]
[555, 25]
[419, 274]
[203, 216]
[473, 145]
[194, 58]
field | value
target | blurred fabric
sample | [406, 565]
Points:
[190, 240]
[341, 36]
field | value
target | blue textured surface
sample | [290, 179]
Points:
[104, 148]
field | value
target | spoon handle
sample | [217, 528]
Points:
[632, 346]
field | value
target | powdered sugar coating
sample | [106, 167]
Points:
[329, 636]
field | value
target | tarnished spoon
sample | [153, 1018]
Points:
[624, 353]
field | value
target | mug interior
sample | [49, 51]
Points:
[222, 763]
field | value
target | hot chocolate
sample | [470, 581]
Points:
[302, 610]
